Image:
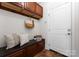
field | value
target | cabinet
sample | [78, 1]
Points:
[35, 48]
[28, 50]
[31, 6]
[31, 50]
[39, 10]
[31, 9]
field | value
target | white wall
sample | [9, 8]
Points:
[75, 29]
[14, 23]
[43, 22]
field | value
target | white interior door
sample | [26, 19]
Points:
[61, 29]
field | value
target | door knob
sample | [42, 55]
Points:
[69, 33]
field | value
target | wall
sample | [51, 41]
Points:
[43, 22]
[75, 29]
[14, 23]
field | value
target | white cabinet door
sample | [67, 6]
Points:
[60, 29]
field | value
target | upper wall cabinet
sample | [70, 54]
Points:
[31, 6]
[39, 10]
[11, 7]
[31, 9]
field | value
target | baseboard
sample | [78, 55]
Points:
[57, 52]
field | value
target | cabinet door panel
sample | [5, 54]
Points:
[31, 50]
[39, 10]
[40, 45]
[30, 6]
